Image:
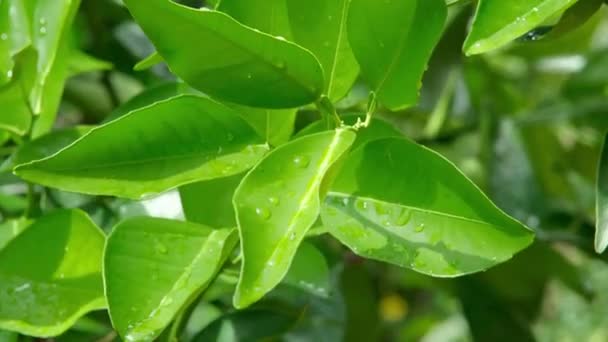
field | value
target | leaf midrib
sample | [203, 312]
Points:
[422, 210]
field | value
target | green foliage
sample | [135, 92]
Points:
[290, 170]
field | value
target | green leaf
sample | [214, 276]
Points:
[276, 203]
[50, 274]
[320, 25]
[51, 22]
[16, 116]
[393, 41]
[497, 23]
[401, 203]
[45, 146]
[275, 125]
[210, 202]
[309, 270]
[10, 229]
[377, 129]
[227, 60]
[250, 325]
[601, 205]
[170, 143]
[148, 62]
[268, 16]
[14, 36]
[81, 62]
[150, 95]
[179, 258]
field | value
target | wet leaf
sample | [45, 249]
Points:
[401, 203]
[276, 203]
[46, 287]
[179, 259]
[227, 60]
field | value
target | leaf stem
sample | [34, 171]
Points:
[372, 104]
[328, 112]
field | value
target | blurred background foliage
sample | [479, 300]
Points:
[526, 123]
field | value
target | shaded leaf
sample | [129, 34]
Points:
[180, 258]
[46, 287]
[10, 229]
[240, 65]
[16, 116]
[210, 202]
[309, 270]
[276, 203]
[170, 143]
[393, 41]
[401, 203]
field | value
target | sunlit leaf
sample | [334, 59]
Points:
[179, 258]
[170, 143]
[401, 203]
[276, 203]
[227, 60]
[50, 274]
[393, 41]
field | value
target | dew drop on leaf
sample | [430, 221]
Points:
[263, 213]
[273, 200]
[419, 228]
[301, 161]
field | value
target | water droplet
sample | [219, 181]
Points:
[292, 236]
[419, 228]
[219, 150]
[281, 64]
[273, 200]
[280, 37]
[4, 36]
[160, 248]
[301, 161]
[23, 287]
[403, 218]
[9, 74]
[230, 137]
[263, 213]
[361, 205]
[249, 76]
[43, 30]
[270, 263]
[345, 201]
[66, 249]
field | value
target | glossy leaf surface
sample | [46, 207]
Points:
[241, 65]
[276, 203]
[170, 143]
[46, 287]
[268, 16]
[393, 41]
[399, 202]
[601, 209]
[320, 25]
[14, 36]
[16, 115]
[497, 23]
[179, 259]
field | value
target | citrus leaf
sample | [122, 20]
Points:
[227, 60]
[497, 23]
[50, 274]
[167, 144]
[179, 258]
[393, 41]
[276, 203]
[320, 25]
[401, 203]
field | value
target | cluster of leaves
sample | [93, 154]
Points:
[291, 140]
